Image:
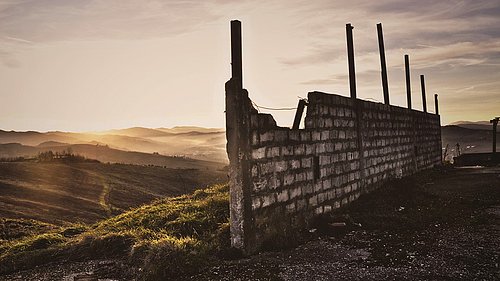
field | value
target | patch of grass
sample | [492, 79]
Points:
[11, 229]
[168, 238]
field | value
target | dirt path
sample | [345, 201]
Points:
[439, 226]
[104, 197]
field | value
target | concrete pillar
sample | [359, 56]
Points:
[383, 66]
[236, 53]
[350, 59]
[408, 86]
[422, 85]
[436, 105]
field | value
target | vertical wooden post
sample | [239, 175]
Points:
[298, 114]
[236, 57]
[436, 105]
[383, 66]
[408, 86]
[422, 85]
[350, 59]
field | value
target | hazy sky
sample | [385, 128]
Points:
[81, 65]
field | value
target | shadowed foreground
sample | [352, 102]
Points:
[439, 225]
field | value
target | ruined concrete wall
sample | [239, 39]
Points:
[282, 178]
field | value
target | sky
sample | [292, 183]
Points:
[88, 65]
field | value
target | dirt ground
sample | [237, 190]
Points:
[438, 225]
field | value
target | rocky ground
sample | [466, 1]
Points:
[442, 225]
[439, 225]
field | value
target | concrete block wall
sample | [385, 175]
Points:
[348, 147]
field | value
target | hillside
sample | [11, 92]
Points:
[475, 125]
[167, 238]
[106, 154]
[470, 140]
[86, 192]
[193, 142]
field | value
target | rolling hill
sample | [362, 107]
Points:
[193, 142]
[109, 155]
[62, 193]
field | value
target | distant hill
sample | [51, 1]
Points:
[87, 192]
[470, 140]
[52, 144]
[137, 132]
[106, 154]
[193, 142]
[475, 125]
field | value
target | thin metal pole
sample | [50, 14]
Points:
[408, 86]
[383, 66]
[236, 57]
[436, 105]
[350, 59]
[422, 85]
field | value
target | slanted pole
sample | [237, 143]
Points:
[436, 105]
[236, 57]
[298, 114]
[383, 66]
[408, 86]
[422, 85]
[350, 60]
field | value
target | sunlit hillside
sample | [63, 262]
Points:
[192, 142]
[86, 192]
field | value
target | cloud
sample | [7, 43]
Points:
[407, 25]
[52, 20]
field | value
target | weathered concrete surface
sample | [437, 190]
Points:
[436, 225]
[281, 179]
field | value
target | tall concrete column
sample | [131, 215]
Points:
[236, 53]
[350, 60]
[422, 85]
[383, 66]
[408, 86]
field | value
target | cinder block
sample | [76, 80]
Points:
[268, 200]
[289, 179]
[273, 152]
[267, 137]
[259, 153]
[299, 149]
[282, 196]
[306, 162]
[305, 136]
[295, 192]
[313, 200]
[316, 136]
